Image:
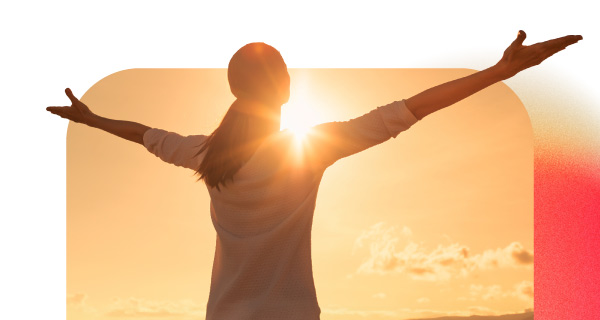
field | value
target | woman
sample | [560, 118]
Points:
[263, 186]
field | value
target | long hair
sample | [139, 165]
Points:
[259, 80]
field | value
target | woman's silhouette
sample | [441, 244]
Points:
[263, 184]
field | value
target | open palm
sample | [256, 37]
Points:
[518, 57]
[77, 112]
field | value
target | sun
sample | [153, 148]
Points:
[301, 113]
[300, 130]
[298, 119]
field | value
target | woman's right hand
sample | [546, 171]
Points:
[77, 112]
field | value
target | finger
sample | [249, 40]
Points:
[55, 108]
[550, 47]
[70, 95]
[561, 42]
[61, 111]
[520, 38]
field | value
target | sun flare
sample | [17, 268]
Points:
[299, 131]
[301, 112]
[299, 119]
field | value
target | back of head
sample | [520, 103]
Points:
[257, 72]
[259, 80]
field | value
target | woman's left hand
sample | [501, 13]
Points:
[518, 57]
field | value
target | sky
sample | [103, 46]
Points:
[60, 44]
[445, 207]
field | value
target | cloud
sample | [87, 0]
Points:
[379, 231]
[136, 307]
[513, 255]
[76, 304]
[524, 291]
[442, 263]
[76, 299]
[406, 231]
[492, 292]
[521, 255]
[482, 311]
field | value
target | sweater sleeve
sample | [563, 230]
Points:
[174, 148]
[335, 140]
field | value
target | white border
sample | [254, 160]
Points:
[47, 46]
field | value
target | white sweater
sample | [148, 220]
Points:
[262, 266]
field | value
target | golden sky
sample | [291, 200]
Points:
[437, 221]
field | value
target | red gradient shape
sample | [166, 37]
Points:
[566, 237]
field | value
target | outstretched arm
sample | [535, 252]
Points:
[516, 58]
[79, 112]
